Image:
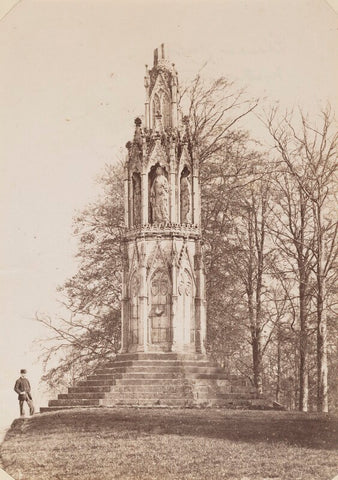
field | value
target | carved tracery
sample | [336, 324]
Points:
[159, 313]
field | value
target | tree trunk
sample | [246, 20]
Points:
[257, 365]
[322, 392]
[303, 352]
[254, 297]
[322, 370]
[279, 354]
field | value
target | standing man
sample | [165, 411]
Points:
[23, 389]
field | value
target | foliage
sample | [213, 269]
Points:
[91, 334]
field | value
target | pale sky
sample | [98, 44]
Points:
[71, 86]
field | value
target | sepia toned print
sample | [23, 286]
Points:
[169, 257]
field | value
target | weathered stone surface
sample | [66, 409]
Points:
[165, 380]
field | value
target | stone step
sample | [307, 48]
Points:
[160, 356]
[84, 395]
[144, 394]
[135, 402]
[155, 387]
[92, 389]
[150, 381]
[96, 383]
[147, 363]
[106, 376]
[72, 402]
[172, 373]
[62, 407]
[152, 375]
[140, 368]
[208, 376]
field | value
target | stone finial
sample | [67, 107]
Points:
[159, 54]
[138, 131]
[155, 57]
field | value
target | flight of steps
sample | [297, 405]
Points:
[162, 380]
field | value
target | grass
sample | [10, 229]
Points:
[170, 444]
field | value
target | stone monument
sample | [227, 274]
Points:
[163, 304]
[163, 360]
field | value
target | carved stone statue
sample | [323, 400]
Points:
[159, 197]
[185, 200]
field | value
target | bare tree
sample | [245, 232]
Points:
[251, 263]
[90, 333]
[308, 153]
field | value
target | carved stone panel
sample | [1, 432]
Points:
[159, 314]
[185, 307]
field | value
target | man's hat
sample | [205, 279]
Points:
[23, 370]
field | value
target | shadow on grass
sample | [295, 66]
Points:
[292, 428]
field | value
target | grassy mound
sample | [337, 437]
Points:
[164, 444]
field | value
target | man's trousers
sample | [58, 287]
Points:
[30, 404]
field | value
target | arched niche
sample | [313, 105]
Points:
[136, 182]
[185, 196]
[158, 194]
[159, 307]
[166, 114]
[186, 307]
[156, 107]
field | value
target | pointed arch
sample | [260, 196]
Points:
[156, 107]
[159, 303]
[186, 306]
[166, 107]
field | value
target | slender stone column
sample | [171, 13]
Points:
[126, 198]
[200, 303]
[130, 190]
[125, 325]
[172, 180]
[196, 199]
[174, 319]
[144, 198]
[174, 101]
[147, 107]
[143, 301]
[125, 303]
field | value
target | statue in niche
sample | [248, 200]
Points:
[159, 197]
[136, 199]
[185, 197]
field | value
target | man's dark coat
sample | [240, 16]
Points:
[23, 385]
